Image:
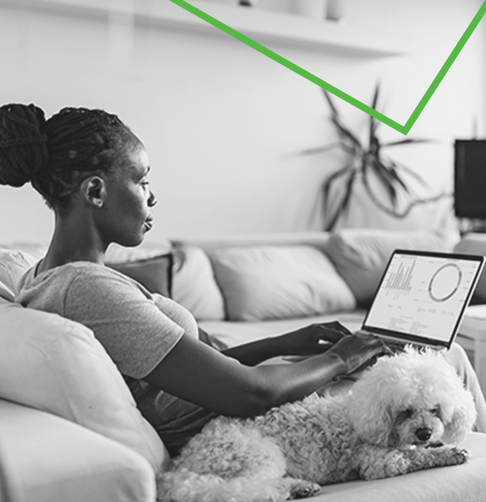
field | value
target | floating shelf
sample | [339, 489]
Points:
[262, 25]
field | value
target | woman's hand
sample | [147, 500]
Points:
[313, 339]
[358, 350]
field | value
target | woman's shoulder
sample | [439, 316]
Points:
[73, 275]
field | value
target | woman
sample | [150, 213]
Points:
[93, 172]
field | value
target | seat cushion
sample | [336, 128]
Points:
[50, 459]
[56, 365]
[464, 483]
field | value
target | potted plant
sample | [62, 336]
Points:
[368, 163]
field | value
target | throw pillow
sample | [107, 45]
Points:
[155, 274]
[194, 285]
[276, 282]
[360, 255]
[57, 365]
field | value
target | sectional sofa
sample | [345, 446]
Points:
[69, 428]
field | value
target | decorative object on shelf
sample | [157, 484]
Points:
[227, 2]
[309, 8]
[335, 11]
[381, 177]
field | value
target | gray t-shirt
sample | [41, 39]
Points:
[137, 329]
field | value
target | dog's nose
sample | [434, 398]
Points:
[423, 433]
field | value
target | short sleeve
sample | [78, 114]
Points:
[125, 319]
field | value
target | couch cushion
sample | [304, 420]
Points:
[194, 285]
[276, 282]
[51, 459]
[121, 254]
[360, 255]
[56, 365]
[475, 244]
[13, 264]
[464, 483]
[154, 273]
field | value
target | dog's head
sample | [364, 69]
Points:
[412, 398]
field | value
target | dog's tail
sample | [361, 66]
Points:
[186, 486]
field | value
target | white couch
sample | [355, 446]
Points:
[63, 437]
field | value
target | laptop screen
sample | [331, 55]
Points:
[422, 296]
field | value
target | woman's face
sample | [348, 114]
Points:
[127, 212]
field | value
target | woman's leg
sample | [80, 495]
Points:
[457, 356]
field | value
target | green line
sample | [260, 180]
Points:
[404, 129]
[445, 68]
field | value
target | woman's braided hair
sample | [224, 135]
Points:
[56, 154]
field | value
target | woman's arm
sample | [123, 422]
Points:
[309, 340]
[199, 374]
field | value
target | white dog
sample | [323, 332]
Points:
[408, 412]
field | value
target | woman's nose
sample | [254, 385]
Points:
[152, 200]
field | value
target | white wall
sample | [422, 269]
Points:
[223, 124]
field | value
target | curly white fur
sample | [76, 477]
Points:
[408, 412]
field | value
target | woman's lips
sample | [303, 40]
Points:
[148, 224]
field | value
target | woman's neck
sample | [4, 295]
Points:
[74, 239]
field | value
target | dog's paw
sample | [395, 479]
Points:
[458, 456]
[300, 489]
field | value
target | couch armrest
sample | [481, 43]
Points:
[51, 459]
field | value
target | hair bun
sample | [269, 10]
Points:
[23, 143]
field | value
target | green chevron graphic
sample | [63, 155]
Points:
[404, 129]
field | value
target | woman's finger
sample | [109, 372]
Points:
[337, 326]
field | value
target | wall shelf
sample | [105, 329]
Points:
[262, 25]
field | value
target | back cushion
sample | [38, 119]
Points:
[155, 274]
[360, 256]
[194, 285]
[13, 264]
[276, 282]
[58, 366]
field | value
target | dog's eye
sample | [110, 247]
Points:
[405, 414]
[435, 411]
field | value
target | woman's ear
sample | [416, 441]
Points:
[93, 191]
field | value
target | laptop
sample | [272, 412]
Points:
[422, 297]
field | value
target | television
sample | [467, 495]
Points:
[470, 178]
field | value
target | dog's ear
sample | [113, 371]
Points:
[458, 418]
[371, 415]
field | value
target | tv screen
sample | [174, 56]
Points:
[470, 178]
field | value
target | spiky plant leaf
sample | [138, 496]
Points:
[407, 141]
[367, 159]
[331, 179]
[386, 179]
[411, 172]
[338, 123]
[344, 202]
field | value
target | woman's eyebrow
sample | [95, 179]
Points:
[144, 173]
